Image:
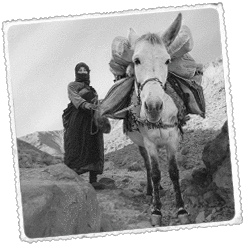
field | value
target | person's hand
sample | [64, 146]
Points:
[95, 100]
[89, 106]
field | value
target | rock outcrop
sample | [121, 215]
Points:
[216, 157]
[57, 202]
[208, 190]
[31, 157]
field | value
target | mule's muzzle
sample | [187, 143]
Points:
[153, 111]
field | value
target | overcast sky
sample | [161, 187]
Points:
[42, 56]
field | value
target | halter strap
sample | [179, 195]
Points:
[141, 86]
[150, 80]
[144, 122]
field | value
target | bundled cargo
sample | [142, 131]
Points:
[182, 44]
[121, 56]
[185, 66]
[121, 50]
[117, 98]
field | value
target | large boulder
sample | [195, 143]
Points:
[57, 202]
[208, 189]
[216, 157]
[217, 150]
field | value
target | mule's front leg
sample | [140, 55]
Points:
[156, 177]
[174, 176]
[156, 215]
[145, 156]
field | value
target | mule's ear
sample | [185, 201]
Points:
[132, 37]
[170, 34]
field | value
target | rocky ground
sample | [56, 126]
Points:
[207, 191]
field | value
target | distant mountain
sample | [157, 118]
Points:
[50, 142]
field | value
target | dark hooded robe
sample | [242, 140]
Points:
[84, 148]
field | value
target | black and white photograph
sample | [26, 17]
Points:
[121, 123]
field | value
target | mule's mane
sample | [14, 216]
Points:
[151, 38]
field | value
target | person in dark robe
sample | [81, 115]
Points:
[83, 145]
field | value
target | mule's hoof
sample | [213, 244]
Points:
[156, 220]
[183, 216]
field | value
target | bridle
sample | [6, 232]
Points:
[145, 122]
[151, 80]
[141, 86]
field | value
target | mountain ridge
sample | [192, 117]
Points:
[50, 142]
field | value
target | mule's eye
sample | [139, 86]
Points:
[136, 61]
[168, 61]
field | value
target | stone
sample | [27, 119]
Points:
[125, 161]
[135, 166]
[127, 193]
[223, 179]
[194, 201]
[108, 182]
[57, 202]
[200, 217]
[212, 199]
[108, 165]
[190, 191]
[216, 157]
[125, 180]
[144, 225]
[106, 225]
[216, 150]
[25, 160]
[187, 176]
[143, 183]
[182, 160]
[184, 219]
[209, 217]
[208, 195]
[185, 151]
[201, 176]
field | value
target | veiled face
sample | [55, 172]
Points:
[82, 70]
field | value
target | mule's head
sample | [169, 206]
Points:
[151, 60]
